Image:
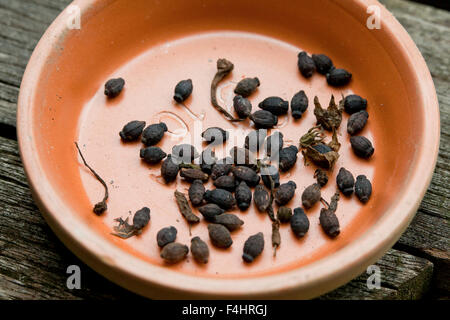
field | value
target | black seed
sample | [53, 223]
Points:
[207, 160]
[261, 197]
[306, 64]
[174, 252]
[210, 210]
[221, 197]
[169, 169]
[216, 135]
[329, 222]
[220, 169]
[253, 247]
[323, 63]
[345, 181]
[321, 176]
[271, 171]
[357, 122]
[362, 146]
[299, 104]
[322, 148]
[153, 133]
[113, 87]
[338, 77]
[275, 105]
[243, 196]
[363, 188]
[274, 143]
[285, 192]
[244, 157]
[196, 192]
[311, 195]
[141, 218]
[243, 173]
[242, 106]
[288, 158]
[229, 221]
[219, 235]
[199, 250]
[152, 155]
[247, 86]
[190, 174]
[132, 130]
[183, 90]
[255, 140]
[354, 103]
[166, 235]
[299, 223]
[264, 119]
[284, 214]
[226, 182]
[185, 153]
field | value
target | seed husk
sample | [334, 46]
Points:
[306, 64]
[362, 146]
[323, 63]
[284, 214]
[311, 195]
[247, 174]
[185, 209]
[261, 198]
[247, 86]
[228, 220]
[141, 218]
[153, 133]
[357, 122]
[174, 252]
[215, 135]
[243, 196]
[288, 158]
[274, 143]
[169, 169]
[253, 247]
[345, 181]
[276, 237]
[199, 250]
[338, 77]
[242, 106]
[285, 192]
[255, 140]
[264, 119]
[166, 235]
[299, 223]
[275, 105]
[331, 118]
[207, 160]
[185, 152]
[354, 103]
[132, 130]
[268, 172]
[363, 188]
[221, 197]
[152, 155]
[219, 235]
[323, 155]
[113, 87]
[210, 211]
[299, 104]
[321, 176]
[196, 192]
[228, 183]
[190, 174]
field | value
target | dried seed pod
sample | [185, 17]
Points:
[253, 247]
[113, 87]
[331, 118]
[321, 176]
[185, 209]
[268, 172]
[242, 106]
[141, 218]
[224, 67]
[247, 174]
[288, 158]
[153, 133]
[216, 135]
[229, 221]
[311, 195]
[207, 160]
[132, 130]
[306, 64]
[363, 188]
[183, 90]
[220, 169]
[255, 140]
[221, 197]
[210, 211]
[345, 181]
[362, 146]
[338, 77]
[261, 198]
[323, 63]
[243, 196]
[242, 156]
[275, 105]
[174, 252]
[299, 104]
[166, 235]
[299, 223]
[285, 192]
[199, 250]
[264, 119]
[190, 174]
[247, 86]
[152, 155]
[354, 103]
[219, 235]
[357, 122]
[226, 182]
[284, 214]
[276, 237]
[196, 192]
[169, 169]
[274, 143]
[329, 222]
[323, 155]
[185, 153]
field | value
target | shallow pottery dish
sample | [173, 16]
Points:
[154, 44]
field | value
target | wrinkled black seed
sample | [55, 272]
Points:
[362, 146]
[264, 119]
[247, 86]
[322, 148]
[299, 104]
[242, 106]
[210, 210]
[186, 153]
[323, 63]
[261, 197]
[243, 195]
[226, 182]
[169, 169]
[357, 122]
[284, 214]
[288, 158]
[306, 64]
[321, 176]
[166, 235]
[207, 160]
[253, 247]
[275, 105]
[354, 103]
[219, 235]
[216, 135]
[152, 155]
[220, 169]
[199, 250]
[153, 133]
[311, 195]
[267, 172]
[285, 192]
[247, 174]
[141, 218]
[183, 90]
[329, 222]
[174, 252]
[255, 140]
[229, 221]
[345, 181]
[132, 130]
[221, 197]
[363, 188]
[113, 87]
[299, 223]
[338, 77]
[274, 143]
[196, 192]
[190, 174]
[243, 157]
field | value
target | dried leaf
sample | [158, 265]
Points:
[330, 118]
